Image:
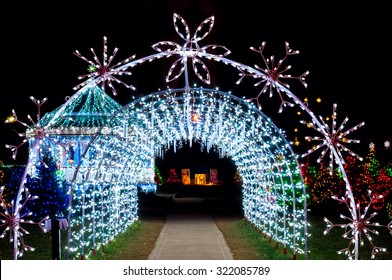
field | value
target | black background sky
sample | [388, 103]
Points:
[344, 47]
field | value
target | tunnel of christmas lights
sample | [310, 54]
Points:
[120, 157]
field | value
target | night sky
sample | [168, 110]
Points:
[344, 47]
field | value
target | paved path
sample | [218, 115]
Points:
[190, 235]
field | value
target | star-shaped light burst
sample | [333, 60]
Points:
[35, 131]
[190, 49]
[332, 137]
[361, 226]
[102, 72]
[273, 74]
[12, 219]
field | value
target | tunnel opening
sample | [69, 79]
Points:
[221, 192]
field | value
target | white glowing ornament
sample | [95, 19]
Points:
[273, 74]
[13, 220]
[102, 72]
[360, 226]
[190, 49]
[332, 137]
[36, 133]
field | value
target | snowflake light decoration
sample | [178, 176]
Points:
[35, 131]
[13, 148]
[12, 219]
[332, 137]
[102, 72]
[190, 49]
[360, 225]
[273, 74]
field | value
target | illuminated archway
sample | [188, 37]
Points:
[104, 192]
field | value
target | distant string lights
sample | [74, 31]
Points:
[387, 145]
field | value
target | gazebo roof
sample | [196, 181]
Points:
[83, 113]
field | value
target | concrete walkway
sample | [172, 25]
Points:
[190, 235]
